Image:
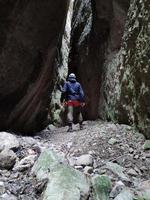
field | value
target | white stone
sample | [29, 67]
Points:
[25, 163]
[84, 160]
[8, 140]
[88, 170]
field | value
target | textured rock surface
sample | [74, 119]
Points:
[30, 32]
[101, 187]
[9, 141]
[64, 182]
[127, 75]
[97, 28]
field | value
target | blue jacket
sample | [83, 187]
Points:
[73, 91]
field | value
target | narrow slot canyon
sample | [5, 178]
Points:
[48, 150]
[90, 38]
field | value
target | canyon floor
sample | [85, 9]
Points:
[117, 151]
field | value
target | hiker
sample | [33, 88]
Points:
[73, 95]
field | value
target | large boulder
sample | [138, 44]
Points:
[64, 182]
[8, 141]
[7, 159]
[30, 33]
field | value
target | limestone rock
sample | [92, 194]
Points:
[8, 196]
[25, 163]
[112, 141]
[101, 186]
[84, 160]
[147, 145]
[8, 140]
[64, 182]
[117, 189]
[144, 190]
[88, 170]
[7, 159]
[2, 188]
[117, 169]
[126, 194]
[46, 162]
[132, 172]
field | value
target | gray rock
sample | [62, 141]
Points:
[143, 190]
[7, 158]
[8, 197]
[2, 188]
[132, 172]
[78, 167]
[64, 182]
[88, 170]
[25, 163]
[126, 194]
[8, 140]
[112, 141]
[84, 160]
[117, 169]
[119, 186]
[147, 145]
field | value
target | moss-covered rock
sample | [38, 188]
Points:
[64, 182]
[101, 187]
[126, 87]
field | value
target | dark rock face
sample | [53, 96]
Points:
[129, 96]
[30, 32]
[97, 31]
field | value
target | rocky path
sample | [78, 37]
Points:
[100, 149]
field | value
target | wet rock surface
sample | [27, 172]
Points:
[125, 163]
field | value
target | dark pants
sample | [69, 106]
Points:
[74, 111]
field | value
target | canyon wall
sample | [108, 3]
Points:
[125, 93]
[31, 31]
[97, 30]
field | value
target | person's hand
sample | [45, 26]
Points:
[64, 103]
[82, 104]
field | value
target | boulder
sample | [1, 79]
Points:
[25, 163]
[84, 160]
[64, 182]
[8, 140]
[126, 194]
[117, 169]
[147, 145]
[101, 187]
[117, 189]
[7, 159]
[144, 190]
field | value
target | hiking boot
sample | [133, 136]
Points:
[81, 126]
[70, 128]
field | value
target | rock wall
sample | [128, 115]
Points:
[97, 29]
[56, 110]
[30, 33]
[127, 75]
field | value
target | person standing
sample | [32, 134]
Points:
[73, 97]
